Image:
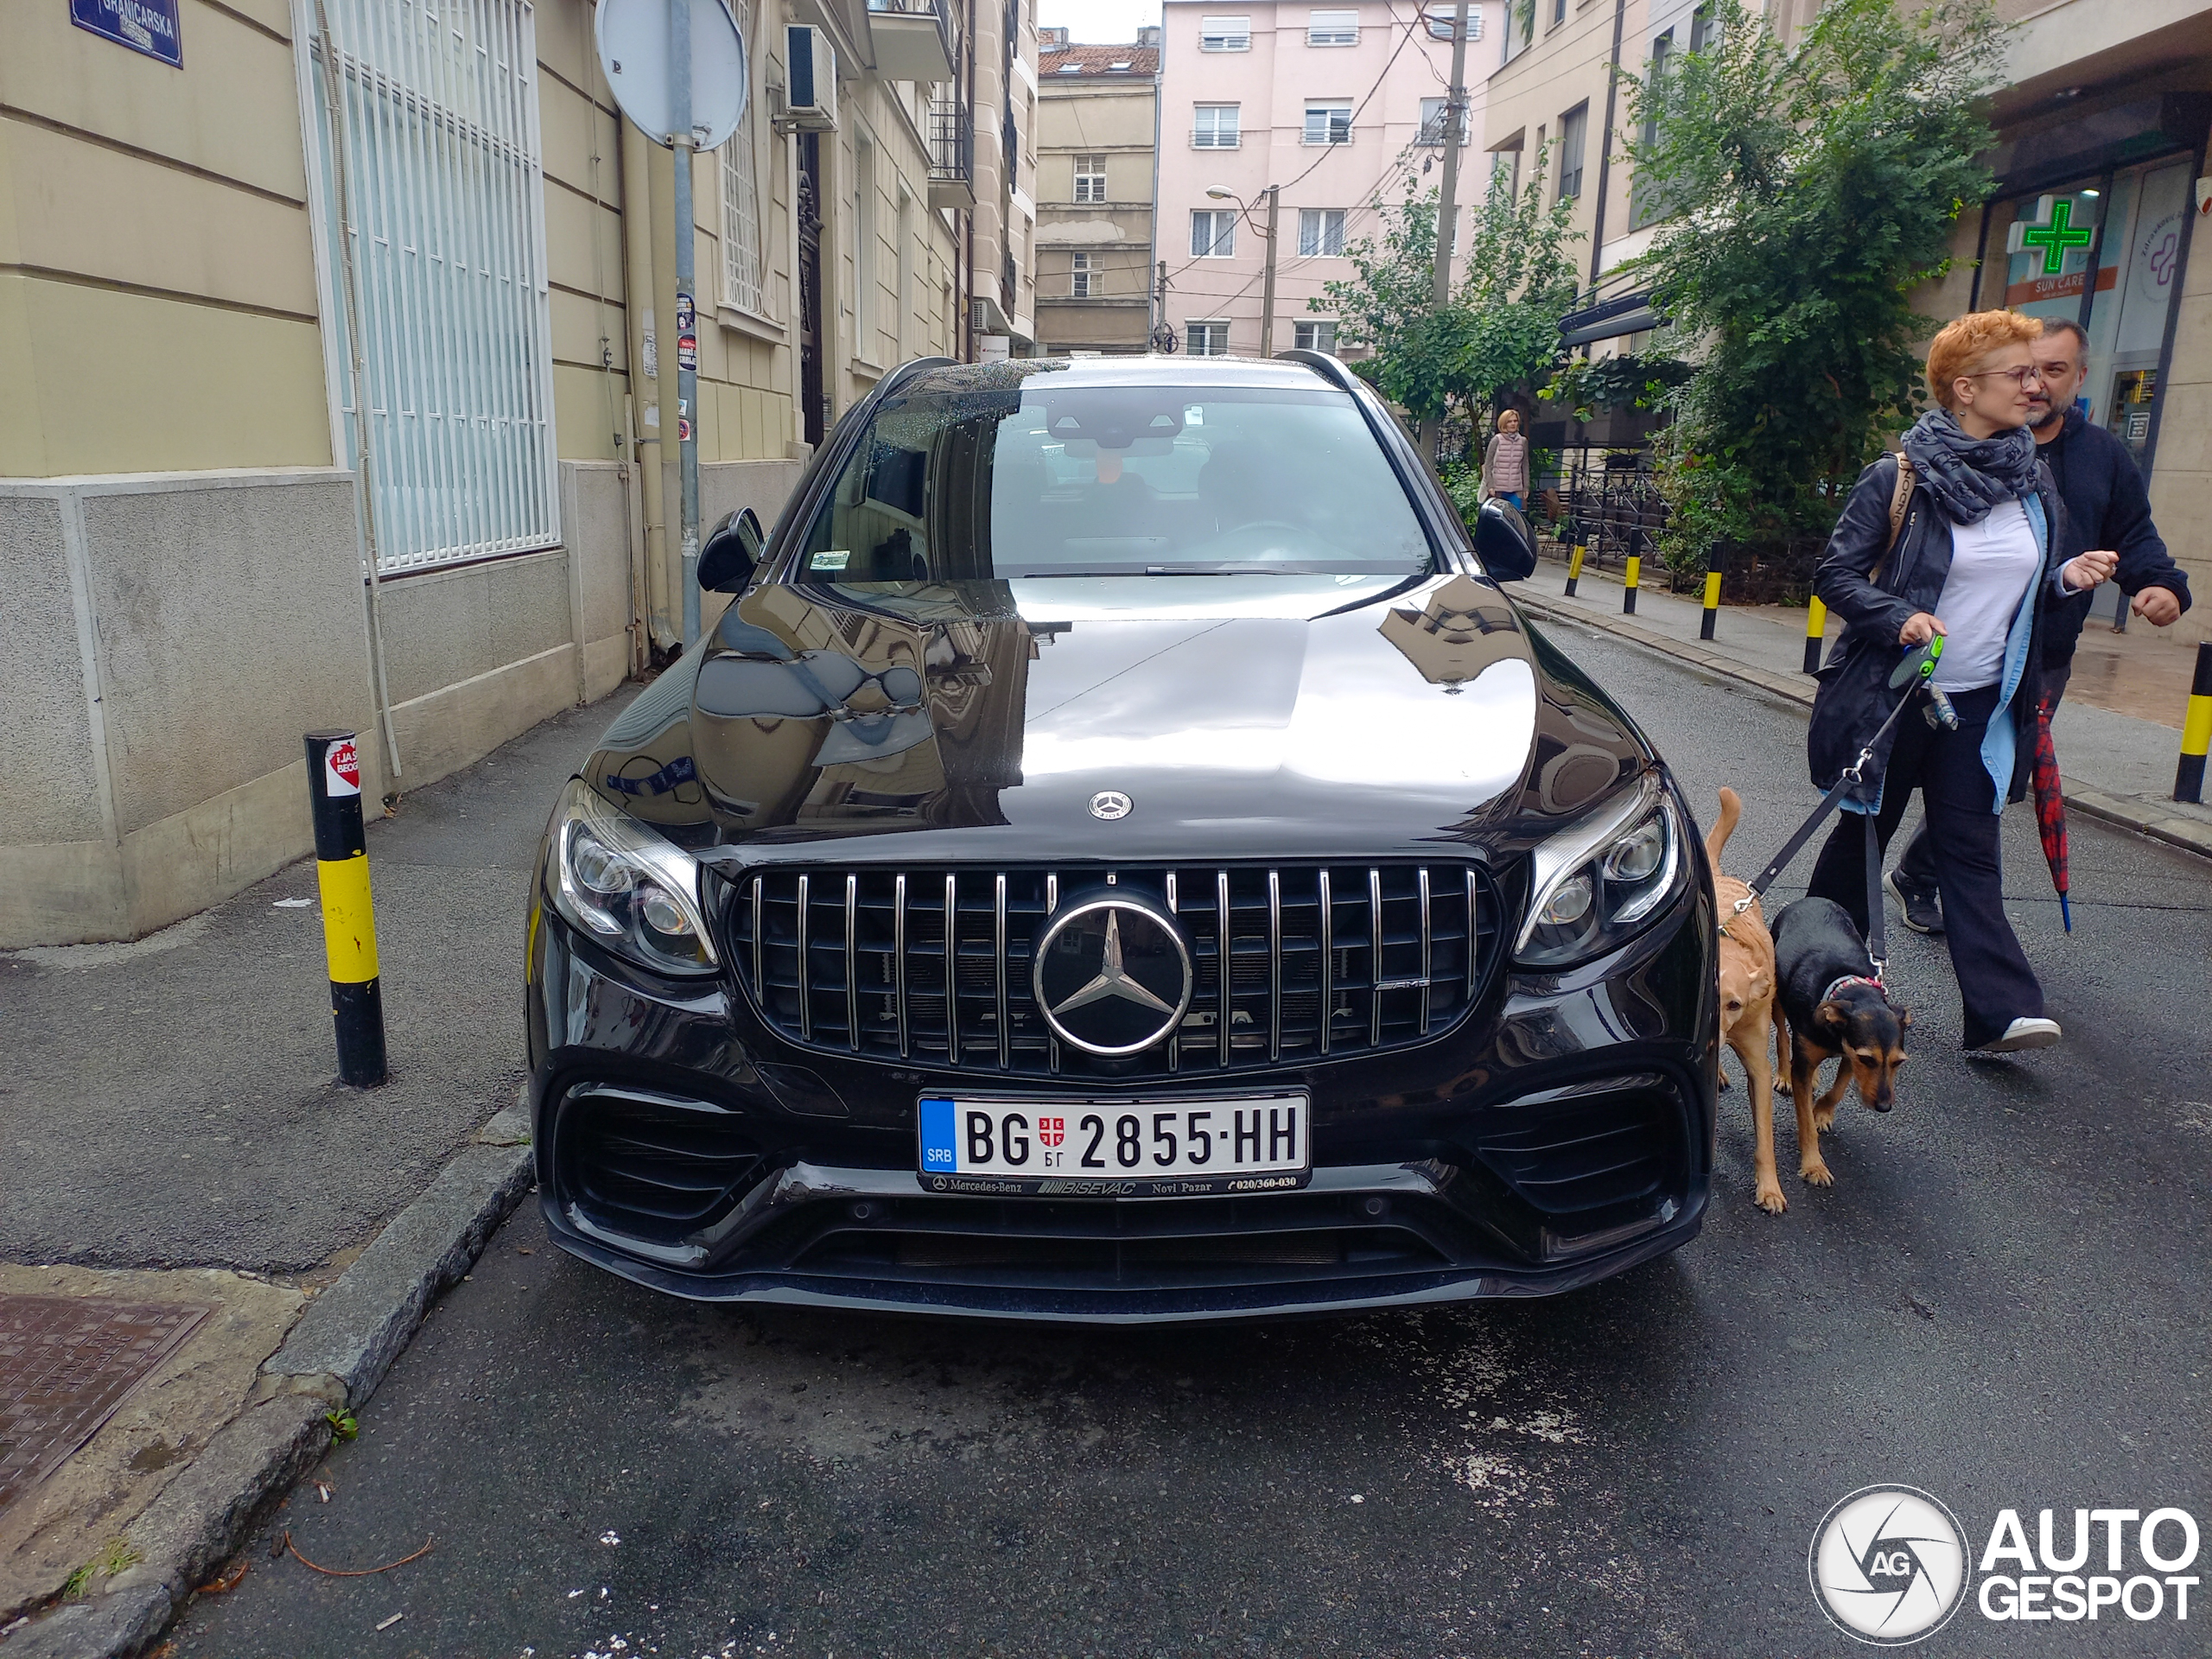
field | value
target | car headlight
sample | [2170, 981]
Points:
[1599, 880]
[635, 892]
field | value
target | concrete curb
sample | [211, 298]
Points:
[2144, 816]
[334, 1357]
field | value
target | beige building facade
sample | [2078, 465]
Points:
[1097, 152]
[203, 553]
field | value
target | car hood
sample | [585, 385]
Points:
[1240, 717]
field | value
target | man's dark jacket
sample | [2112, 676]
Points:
[1854, 697]
[2106, 507]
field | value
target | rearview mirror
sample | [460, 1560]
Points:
[1503, 542]
[730, 553]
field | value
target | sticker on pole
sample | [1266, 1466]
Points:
[341, 768]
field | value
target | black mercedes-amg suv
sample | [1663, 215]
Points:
[1120, 855]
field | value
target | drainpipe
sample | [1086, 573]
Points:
[1606, 150]
[639, 282]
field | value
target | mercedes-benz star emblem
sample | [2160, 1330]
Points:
[1109, 805]
[1113, 975]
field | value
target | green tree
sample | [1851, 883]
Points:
[1806, 193]
[1496, 338]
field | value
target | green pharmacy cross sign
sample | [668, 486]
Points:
[2058, 237]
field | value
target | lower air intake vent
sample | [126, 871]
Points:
[654, 1166]
[1586, 1153]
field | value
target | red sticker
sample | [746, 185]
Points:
[341, 768]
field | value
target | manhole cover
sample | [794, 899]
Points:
[65, 1364]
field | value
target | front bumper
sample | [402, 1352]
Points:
[1560, 1133]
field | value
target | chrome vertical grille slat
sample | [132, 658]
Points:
[1296, 963]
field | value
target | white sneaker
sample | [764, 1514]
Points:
[2023, 1034]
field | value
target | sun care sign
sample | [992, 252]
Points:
[1892, 1565]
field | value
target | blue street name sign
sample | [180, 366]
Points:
[148, 26]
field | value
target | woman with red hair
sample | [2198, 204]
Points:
[1975, 560]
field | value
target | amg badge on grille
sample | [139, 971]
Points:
[1113, 975]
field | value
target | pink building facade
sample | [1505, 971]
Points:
[1337, 105]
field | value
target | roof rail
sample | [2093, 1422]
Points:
[1329, 368]
[912, 366]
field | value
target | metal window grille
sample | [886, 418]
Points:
[741, 202]
[1090, 178]
[443, 222]
[1320, 233]
[1333, 28]
[1213, 233]
[1215, 126]
[1225, 34]
[1328, 124]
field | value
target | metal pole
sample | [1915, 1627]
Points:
[687, 326]
[2196, 731]
[1268, 282]
[1448, 205]
[349, 922]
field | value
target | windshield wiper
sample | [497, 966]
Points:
[1258, 569]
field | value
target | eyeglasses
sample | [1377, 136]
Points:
[2019, 376]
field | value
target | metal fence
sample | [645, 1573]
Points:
[431, 186]
[1608, 503]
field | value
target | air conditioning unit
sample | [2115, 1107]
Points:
[812, 106]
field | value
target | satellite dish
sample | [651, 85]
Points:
[634, 37]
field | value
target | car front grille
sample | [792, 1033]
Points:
[932, 966]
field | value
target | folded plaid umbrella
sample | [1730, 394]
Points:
[2050, 810]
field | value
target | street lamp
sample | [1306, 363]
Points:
[1223, 193]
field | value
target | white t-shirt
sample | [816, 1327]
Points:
[1992, 564]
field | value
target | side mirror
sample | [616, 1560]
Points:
[730, 553]
[1503, 542]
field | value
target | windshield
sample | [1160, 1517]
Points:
[1050, 479]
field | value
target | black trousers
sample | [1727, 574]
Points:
[1917, 866]
[1996, 985]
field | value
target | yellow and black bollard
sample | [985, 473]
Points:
[1575, 565]
[2195, 732]
[349, 922]
[1817, 625]
[1635, 567]
[1713, 562]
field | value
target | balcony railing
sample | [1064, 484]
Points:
[1214, 138]
[952, 155]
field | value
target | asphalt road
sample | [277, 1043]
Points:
[2000, 1300]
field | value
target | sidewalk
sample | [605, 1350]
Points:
[176, 1139]
[2116, 765]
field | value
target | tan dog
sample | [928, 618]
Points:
[1747, 1000]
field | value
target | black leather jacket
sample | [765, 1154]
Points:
[1876, 590]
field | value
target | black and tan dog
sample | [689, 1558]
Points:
[1827, 1006]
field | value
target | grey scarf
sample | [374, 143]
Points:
[1967, 475]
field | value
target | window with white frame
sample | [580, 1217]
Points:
[1439, 24]
[1315, 336]
[1090, 178]
[1213, 233]
[865, 310]
[1333, 28]
[1432, 112]
[1328, 123]
[1214, 126]
[432, 189]
[1225, 34]
[904, 324]
[1320, 233]
[1086, 279]
[1505, 168]
[1573, 133]
[1208, 339]
[741, 204]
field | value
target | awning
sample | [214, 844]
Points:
[1627, 313]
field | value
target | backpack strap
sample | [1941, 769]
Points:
[1900, 498]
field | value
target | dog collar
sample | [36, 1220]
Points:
[1852, 979]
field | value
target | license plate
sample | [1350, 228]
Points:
[1161, 1149]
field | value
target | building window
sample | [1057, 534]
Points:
[1225, 34]
[904, 324]
[1215, 127]
[1328, 124]
[1070, 69]
[1641, 207]
[1315, 336]
[1090, 178]
[1213, 233]
[741, 204]
[865, 310]
[1559, 12]
[1208, 339]
[444, 213]
[1333, 28]
[1505, 168]
[1439, 24]
[1321, 232]
[1087, 281]
[1431, 122]
[1573, 128]
[1705, 28]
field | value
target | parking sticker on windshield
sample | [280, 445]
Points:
[834, 561]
